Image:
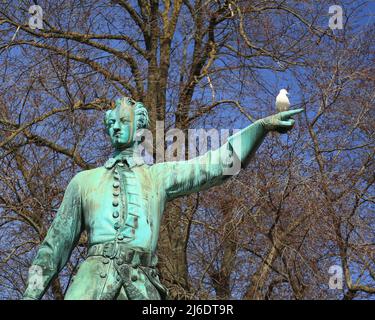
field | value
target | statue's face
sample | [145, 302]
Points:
[121, 126]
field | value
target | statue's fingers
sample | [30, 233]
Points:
[286, 124]
[290, 113]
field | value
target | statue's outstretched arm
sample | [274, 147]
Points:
[180, 178]
[247, 141]
[58, 244]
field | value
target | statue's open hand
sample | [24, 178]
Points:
[281, 122]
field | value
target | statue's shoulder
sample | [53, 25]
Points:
[85, 176]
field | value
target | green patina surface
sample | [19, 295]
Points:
[120, 205]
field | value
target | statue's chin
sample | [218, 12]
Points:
[121, 146]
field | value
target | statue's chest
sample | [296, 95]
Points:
[119, 198]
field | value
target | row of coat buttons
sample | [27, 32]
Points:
[115, 202]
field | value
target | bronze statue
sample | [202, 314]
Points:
[120, 205]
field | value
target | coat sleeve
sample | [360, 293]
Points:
[58, 244]
[180, 178]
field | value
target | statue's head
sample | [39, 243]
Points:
[124, 120]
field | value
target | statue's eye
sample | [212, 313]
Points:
[123, 119]
[111, 122]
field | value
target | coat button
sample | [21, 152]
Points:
[115, 202]
[116, 184]
[115, 214]
[134, 277]
[117, 226]
[119, 261]
[103, 275]
[105, 261]
[116, 193]
[120, 237]
[116, 176]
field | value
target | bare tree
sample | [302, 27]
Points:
[272, 232]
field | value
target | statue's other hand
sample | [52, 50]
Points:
[281, 122]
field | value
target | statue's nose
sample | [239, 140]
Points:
[116, 126]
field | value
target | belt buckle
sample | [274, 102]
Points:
[109, 250]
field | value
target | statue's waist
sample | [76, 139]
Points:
[124, 254]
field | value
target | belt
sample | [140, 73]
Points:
[124, 254]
